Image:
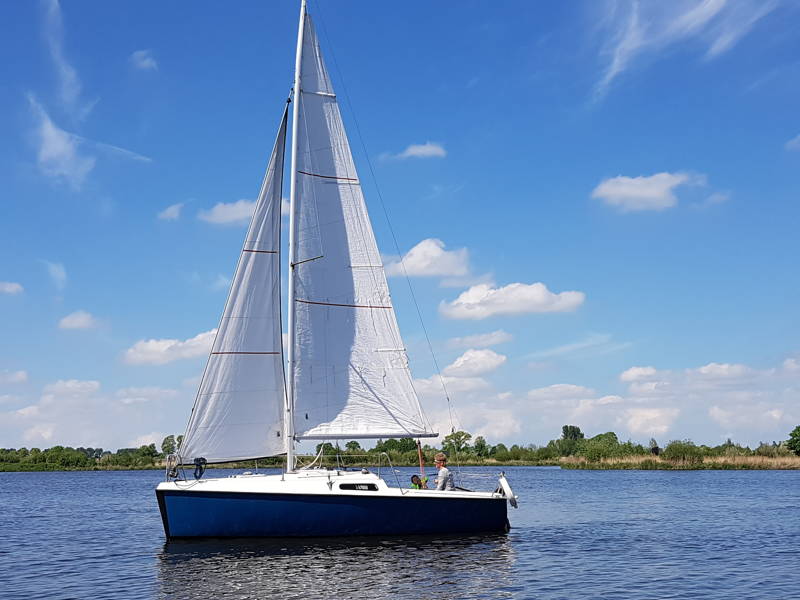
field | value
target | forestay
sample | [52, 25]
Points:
[238, 413]
[351, 371]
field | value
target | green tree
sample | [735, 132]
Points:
[178, 442]
[168, 445]
[683, 451]
[481, 447]
[458, 440]
[794, 441]
[327, 448]
[353, 446]
[393, 445]
[571, 432]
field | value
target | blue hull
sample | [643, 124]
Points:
[226, 514]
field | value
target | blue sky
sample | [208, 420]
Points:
[605, 194]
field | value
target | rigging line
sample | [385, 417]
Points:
[450, 409]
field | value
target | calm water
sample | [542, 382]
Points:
[577, 534]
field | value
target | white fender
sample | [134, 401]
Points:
[507, 492]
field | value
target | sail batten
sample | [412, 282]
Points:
[238, 412]
[342, 387]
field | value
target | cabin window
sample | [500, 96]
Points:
[363, 487]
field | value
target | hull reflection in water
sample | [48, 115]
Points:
[409, 567]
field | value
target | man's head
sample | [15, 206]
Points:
[415, 479]
[440, 459]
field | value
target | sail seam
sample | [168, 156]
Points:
[335, 304]
[328, 176]
[262, 251]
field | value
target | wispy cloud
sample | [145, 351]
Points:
[62, 155]
[10, 287]
[481, 340]
[638, 30]
[144, 60]
[58, 155]
[426, 150]
[594, 344]
[172, 212]
[793, 144]
[69, 83]
[57, 273]
[80, 319]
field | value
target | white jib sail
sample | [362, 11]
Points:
[351, 375]
[238, 413]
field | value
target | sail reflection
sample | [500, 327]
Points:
[411, 567]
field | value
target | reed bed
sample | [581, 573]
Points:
[708, 462]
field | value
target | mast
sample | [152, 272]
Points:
[289, 415]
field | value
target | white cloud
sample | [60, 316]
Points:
[587, 407]
[74, 412]
[57, 273]
[426, 150]
[645, 29]
[721, 370]
[791, 365]
[650, 389]
[483, 301]
[649, 421]
[656, 192]
[172, 212]
[230, 213]
[80, 319]
[475, 362]
[144, 60]
[58, 155]
[39, 433]
[793, 144]
[10, 287]
[638, 374]
[491, 422]
[481, 340]
[286, 207]
[758, 416]
[430, 259]
[13, 376]
[163, 351]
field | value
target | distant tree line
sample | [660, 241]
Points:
[459, 445]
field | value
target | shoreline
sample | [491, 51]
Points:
[637, 462]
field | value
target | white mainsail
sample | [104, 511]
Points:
[238, 413]
[351, 375]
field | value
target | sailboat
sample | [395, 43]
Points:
[346, 375]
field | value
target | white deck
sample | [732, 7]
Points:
[315, 482]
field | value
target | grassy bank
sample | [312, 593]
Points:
[707, 462]
[641, 462]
